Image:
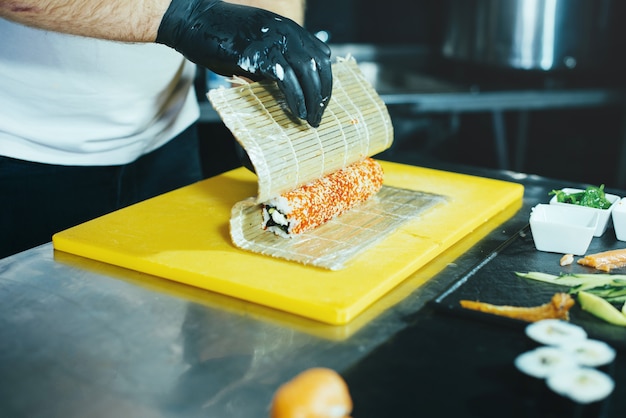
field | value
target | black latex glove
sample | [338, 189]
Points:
[232, 39]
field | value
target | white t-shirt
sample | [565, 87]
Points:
[71, 100]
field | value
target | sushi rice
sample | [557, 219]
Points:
[567, 361]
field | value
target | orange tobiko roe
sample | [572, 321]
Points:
[315, 393]
[318, 202]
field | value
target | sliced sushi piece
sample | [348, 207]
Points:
[315, 203]
[544, 361]
[591, 353]
[581, 384]
[555, 332]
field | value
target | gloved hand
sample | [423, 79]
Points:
[232, 39]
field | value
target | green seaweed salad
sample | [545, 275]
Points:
[592, 196]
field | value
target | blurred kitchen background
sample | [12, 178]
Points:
[536, 86]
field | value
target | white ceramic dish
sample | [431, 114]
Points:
[562, 229]
[619, 219]
[604, 215]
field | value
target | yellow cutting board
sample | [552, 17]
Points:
[183, 236]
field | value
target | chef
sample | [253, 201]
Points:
[96, 106]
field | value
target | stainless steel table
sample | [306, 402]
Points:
[81, 338]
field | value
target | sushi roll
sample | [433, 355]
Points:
[544, 361]
[591, 353]
[555, 332]
[315, 203]
[581, 384]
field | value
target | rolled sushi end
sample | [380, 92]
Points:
[582, 384]
[275, 219]
[555, 332]
[567, 361]
[544, 361]
[591, 353]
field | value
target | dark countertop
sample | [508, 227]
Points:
[472, 373]
[81, 338]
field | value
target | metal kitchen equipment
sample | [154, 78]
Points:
[544, 35]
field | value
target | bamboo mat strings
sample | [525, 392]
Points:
[333, 245]
[287, 153]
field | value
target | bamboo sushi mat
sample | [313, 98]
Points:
[287, 153]
[335, 243]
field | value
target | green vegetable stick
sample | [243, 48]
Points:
[600, 308]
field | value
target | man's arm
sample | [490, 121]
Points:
[246, 39]
[117, 20]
